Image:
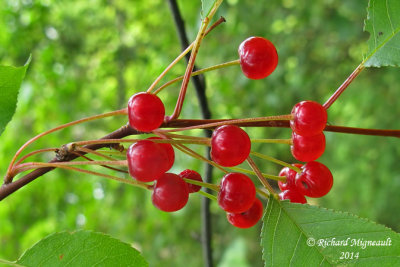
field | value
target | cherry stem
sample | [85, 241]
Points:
[259, 175]
[9, 175]
[194, 154]
[126, 181]
[181, 136]
[192, 59]
[219, 66]
[273, 141]
[227, 122]
[269, 176]
[105, 166]
[207, 195]
[33, 165]
[91, 151]
[34, 153]
[182, 55]
[344, 85]
[202, 184]
[134, 140]
[277, 161]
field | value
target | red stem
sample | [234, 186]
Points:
[7, 189]
[343, 87]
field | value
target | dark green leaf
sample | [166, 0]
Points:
[383, 24]
[304, 235]
[10, 82]
[81, 248]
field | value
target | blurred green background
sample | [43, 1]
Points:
[90, 56]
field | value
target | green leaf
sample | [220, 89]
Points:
[9, 263]
[207, 6]
[81, 248]
[304, 235]
[10, 82]
[383, 24]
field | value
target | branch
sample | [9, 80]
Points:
[7, 189]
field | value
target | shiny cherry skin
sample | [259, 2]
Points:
[145, 112]
[230, 145]
[147, 161]
[170, 193]
[248, 218]
[315, 179]
[293, 195]
[258, 57]
[290, 177]
[168, 149]
[237, 193]
[308, 148]
[193, 175]
[309, 118]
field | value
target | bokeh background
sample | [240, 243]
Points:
[89, 57]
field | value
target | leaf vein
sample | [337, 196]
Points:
[294, 250]
[390, 20]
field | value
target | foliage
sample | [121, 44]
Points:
[10, 82]
[81, 248]
[309, 235]
[90, 56]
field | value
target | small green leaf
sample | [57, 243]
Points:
[81, 248]
[207, 6]
[10, 82]
[383, 24]
[304, 235]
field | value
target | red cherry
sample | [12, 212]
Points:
[145, 111]
[193, 175]
[309, 119]
[315, 179]
[147, 161]
[168, 149]
[293, 195]
[258, 57]
[170, 193]
[230, 145]
[290, 177]
[237, 193]
[308, 148]
[248, 218]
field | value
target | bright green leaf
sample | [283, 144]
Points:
[206, 6]
[383, 24]
[81, 248]
[9, 263]
[10, 82]
[304, 235]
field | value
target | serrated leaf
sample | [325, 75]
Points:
[81, 248]
[10, 82]
[383, 24]
[304, 235]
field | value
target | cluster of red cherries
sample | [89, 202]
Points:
[308, 144]
[149, 160]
